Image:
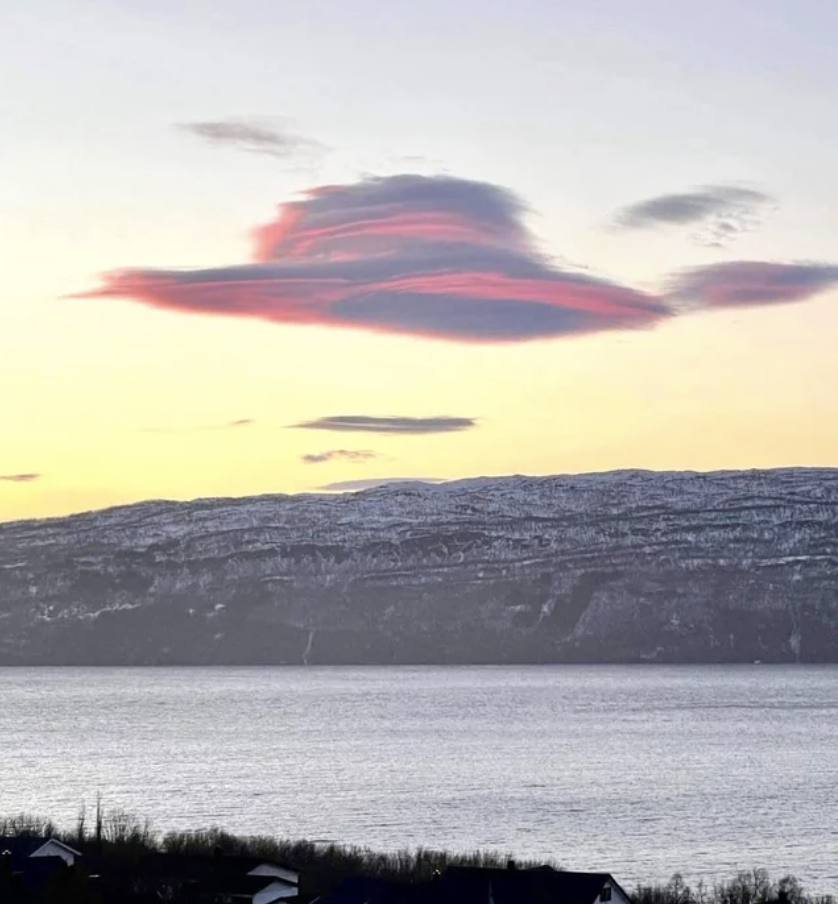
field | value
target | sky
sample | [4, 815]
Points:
[263, 247]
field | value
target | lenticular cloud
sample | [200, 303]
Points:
[745, 283]
[418, 255]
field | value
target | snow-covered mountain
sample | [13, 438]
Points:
[623, 566]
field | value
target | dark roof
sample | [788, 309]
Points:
[542, 885]
[473, 885]
[219, 874]
[21, 846]
[370, 891]
[174, 864]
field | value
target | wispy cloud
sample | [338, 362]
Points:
[362, 423]
[19, 478]
[429, 256]
[747, 283]
[354, 455]
[342, 486]
[256, 138]
[718, 213]
[196, 428]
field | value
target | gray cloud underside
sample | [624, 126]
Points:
[342, 486]
[359, 423]
[253, 137]
[353, 455]
[502, 319]
[19, 478]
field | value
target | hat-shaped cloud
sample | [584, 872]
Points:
[430, 256]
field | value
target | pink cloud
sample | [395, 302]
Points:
[427, 256]
[746, 283]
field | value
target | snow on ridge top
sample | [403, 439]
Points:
[534, 494]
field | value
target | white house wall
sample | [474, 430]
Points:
[617, 896]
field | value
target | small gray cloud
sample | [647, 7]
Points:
[361, 423]
[255, 138]
[748, 283]
[228, 425]
[353, 455]
[19, 478]
[720, 213]
[349, 486]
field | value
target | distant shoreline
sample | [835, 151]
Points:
[425, 665]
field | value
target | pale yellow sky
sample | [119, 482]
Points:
[121, 403]
[110, 401]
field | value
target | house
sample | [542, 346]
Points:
[22, 847]
[30, 865]
[219, 878]
[360, 890]
[541, 885]
[475, 885]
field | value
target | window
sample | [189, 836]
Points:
[605, 894]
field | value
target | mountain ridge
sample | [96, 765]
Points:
[618, 566]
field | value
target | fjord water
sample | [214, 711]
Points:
[641, 770]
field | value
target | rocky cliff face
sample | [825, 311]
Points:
[627, 566]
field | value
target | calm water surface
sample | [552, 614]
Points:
[638, 770]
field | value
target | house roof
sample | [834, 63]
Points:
[370, 891]
[278, 891]
[175, 864]
[543, 884]
[466, 885]
[221, 874]
[21, 846]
